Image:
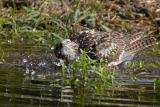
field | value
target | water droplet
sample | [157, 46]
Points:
[33, 72]
[52, 48]
[9, 41]
[24, 60]
[60, 63]
[27, 71]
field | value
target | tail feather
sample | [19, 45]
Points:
[141, 44]
[135, 37]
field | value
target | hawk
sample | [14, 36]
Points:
[117, 47]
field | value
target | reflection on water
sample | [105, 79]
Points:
[26, 75]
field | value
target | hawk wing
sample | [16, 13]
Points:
[112, 46]
[141, 44]
[100, 44]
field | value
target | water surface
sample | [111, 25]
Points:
[27, 71]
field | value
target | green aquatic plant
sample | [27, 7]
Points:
[137, 68]
[157, 84]
[87, 73]
[137, 64]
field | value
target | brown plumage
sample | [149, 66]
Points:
[116, 47]
[95, 42]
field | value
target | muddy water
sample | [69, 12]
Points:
[26, 73]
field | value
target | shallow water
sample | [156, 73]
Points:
[26, 74]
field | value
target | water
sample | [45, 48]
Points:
[26, 74]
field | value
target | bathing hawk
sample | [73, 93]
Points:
[116, 46]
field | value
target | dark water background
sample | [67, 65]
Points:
[27, 71]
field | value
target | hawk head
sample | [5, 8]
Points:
[67, 50]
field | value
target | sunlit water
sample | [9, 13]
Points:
[26, 74]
